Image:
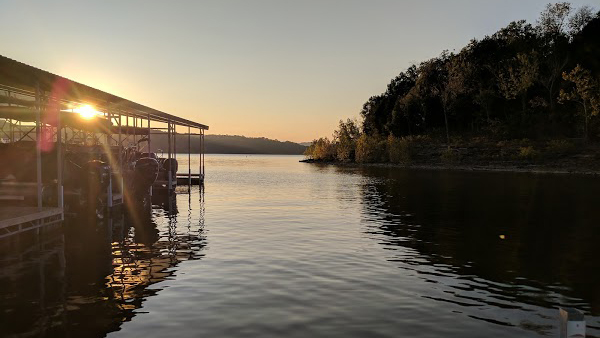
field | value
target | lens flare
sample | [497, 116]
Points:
[86, 111]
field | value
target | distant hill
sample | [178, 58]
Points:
[232, 144]
[216, 144]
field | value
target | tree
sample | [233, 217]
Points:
[345, 139]
[556, 29]
[369, 113]
[457, 73]
[585, 92]
[517, 77]
[580, 19]
[479, 65]
[436, 81]
[508, 83]
[553, 20]
[409, 109]
[321, 149]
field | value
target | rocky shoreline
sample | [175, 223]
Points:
[534, 168]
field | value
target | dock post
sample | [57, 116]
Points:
[127, 127]
[11, 126]
[12, 131]
[38, 144]
[109, 195]
[108, 132]
[203, 151]
[149, 145]
[572, 323]
[200, 178]
[189, 160]
[120, 145]
[175, 148]
[169, 179]
[59, 162]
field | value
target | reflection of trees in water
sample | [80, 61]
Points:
[451, 223]
[90, 282]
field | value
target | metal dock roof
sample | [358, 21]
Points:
[23, 79]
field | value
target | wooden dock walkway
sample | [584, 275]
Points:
[183, 179]
[15, 220]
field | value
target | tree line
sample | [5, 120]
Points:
[526, 81]
[229, 144]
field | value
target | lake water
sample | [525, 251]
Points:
[272, 247]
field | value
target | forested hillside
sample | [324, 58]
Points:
[231, 144]
[532, 85]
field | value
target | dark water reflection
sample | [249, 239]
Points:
[88, 277]
[497, 246]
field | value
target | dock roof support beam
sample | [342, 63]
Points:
[38, 145]
[59, 162]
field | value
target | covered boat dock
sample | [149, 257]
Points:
[43, 115]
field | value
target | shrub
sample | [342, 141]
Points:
[527, 153]
[400, 149]
[321, 150]
[450, 156]
[345, 151]
[559, 147]
[310, 150]
[418, 138]
[370, 149]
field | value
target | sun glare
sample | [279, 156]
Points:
[86, 111]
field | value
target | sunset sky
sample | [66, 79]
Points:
[287, 70]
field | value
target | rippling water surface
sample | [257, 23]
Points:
[272, 247]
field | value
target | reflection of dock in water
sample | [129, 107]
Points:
[90, 279]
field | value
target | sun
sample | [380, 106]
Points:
[86, 111]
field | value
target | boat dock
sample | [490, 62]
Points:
[189, 179]
[17, 220]
[52, 127]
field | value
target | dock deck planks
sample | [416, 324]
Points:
[18, 219]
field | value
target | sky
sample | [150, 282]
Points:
[287, 70]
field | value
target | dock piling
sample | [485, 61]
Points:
[572, 323]
[189, 160]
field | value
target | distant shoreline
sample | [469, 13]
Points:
[185, 153]
[528, 168]
[230, 144]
